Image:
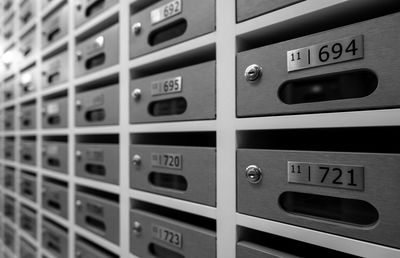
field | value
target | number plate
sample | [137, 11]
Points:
[52, 150]
[167, 235]
[327, 175]
[168, 86]
[166, 160]
[166, 11]
[52, 108]
[326, 53]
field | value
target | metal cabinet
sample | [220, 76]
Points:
[28, 151]
[27, 117]
[55, 155]
[55, 69]
[55, 25]
[86, 10]
[55, 239]
[55, 198]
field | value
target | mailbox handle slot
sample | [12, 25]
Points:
[25, 18]
[26, 223]
[170, 181]
[27, 157]
[26, 122]
[167, 32]
[167, 107]
[95, 6]
[160, 251]
[53, 33]
[53, 77]
[95, 61]
[96, 224]
[95, 169]
[53, 204]
[27, 191]
[95, 115]
[26, 50]
[53, 162]
[53, 246]
[54, 120]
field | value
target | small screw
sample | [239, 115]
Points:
[253, 174]
[78, 203]
[78, 55]
[253, 73]
[136, 28]
[136, 160]
[137, 228]
[136, 93]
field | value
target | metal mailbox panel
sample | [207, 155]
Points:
[9, 27]
[196, 171]
[246, 249]
[28, 81]
[55, 70]
[98, 161]
[28, 187]
[98, 215]
[9, 89]
[9, 178]
[194, 18]
[55, 199]
[98, 107]
[55, 240]
[9, 237]
[197, 90]
[9, 149]
[28, 221]
[28, 116]
[27, 250]
[28, 152]
[55, 156]
[9, 121]
[55, 26]
[28, 44]
[88, 251]
[323, 88]
[55, 113]
[87, 9]
[98, 52]
[27, 11]
[195, 242]
[265, 198]
[9, 208]
[249, 9]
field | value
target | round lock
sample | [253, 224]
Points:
[137, 228]
[78, 154]
[78, 55]
[136, 93]
[136, 28]
[136, 160]
[78, 203]
[253, 174]
[78, 104]
[78, 6]
[253, 73]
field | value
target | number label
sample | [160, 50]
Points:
[167, 235]
[166, 160]
[52, 108]
[328, 175]
[166, 11]
[167, 86]
[326, 53]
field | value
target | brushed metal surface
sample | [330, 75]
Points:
[28, 116]
[54, 193]
[28, 186]
[55, 21]
[246, 249]
[89, 251]
[28, 221]
[60, 154]
[84, 14]
[61, 111]
[55, 70]
[28, 152]
[28, 43]
[28, 81]
[53, 236]
[246, 9]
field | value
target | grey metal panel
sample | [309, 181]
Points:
[46, 3]
[28, 152]
[99, 211]
[380, 172]
[27, 11]
[85, 10]
[9, 27]
[28, 221]
[28, 116]
[9, 148]
[9, 178]
[55, 26]
[196, 242]
[246, 249]
[88, 251]
[28, 81]
[9, 208]
[55, 70]
[380, 40]
[246, 9]
[27, 250]
[55, 199]
[55, 156]
[198, 169]
[28, 44]
[9, 89]
[91, 48]
[105, 99]
[105, 155]
[55, 240]
[9, 237]
[199, 15]
[55, 113]
[9, 121]
[198, 89]
[28, 186]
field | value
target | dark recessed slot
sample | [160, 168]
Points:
[98, 139]
[54, 204]
[53, 162]
[95, 6]
[8, 124]
[94, 169]
[26, 190]
[196, 139]
[26, 122]
[103, 82]
[53, 120]
[8, 95]
[350, 211]
[95, 246]
[54, 247]
[159, 251]
[98, 193]
[139, 5]
[95, 61]
[53, 77]
[345, 85]
[27, 51]
[168, 107]
[8, 154]
[53, 34]
[95, 115]
[55, 181]
[27, 157]
[95, 223]
[55, 139]
[167, 32]
[26, 17]
[170, 181]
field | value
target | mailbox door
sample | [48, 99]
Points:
[55, 156]
[9, 27]
[9, 122]
[55, 240]
[28, 152]
[28, 81]
[87, 9]
[88, 251]
[9, 237]
[55, 70]
[28, 117]
[55, 26]
[9, 208]
[9, 149]
[9, 178]
[28, 187]
[9, 86]
[28, 221]
[55, 199]
[27, 250]
[27, 12]
[28, 44]
[55, 113]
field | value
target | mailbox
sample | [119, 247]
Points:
[55, 69]
[26, 11]
[28, 43]
[27, 250]
[87, 9]
[250, 9]
[9, 148]
[28, 80]
[28, 116]
[347, 68]
[55, 239]
[55, 197]
[28, 221]
[55, 112]
[9, 178]
[98, 215]
[9, 208]
[183, 94]
[28, 151]
[28, 185]
[9, 123]
[55, 25]
[178, 171]
[98, 106]
[87, 249]
[167, 22]
[55, 155]
[149, 237]
[98, 51]
[9, 88]
[9, 27]
[9, 237]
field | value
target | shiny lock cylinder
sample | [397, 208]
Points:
[55, 26]
[9, 149]
[55, 156]
[9, 121]
[250, 9]
[55, 239]
[86, 10]
[98, 215]
[28, 221]
[55, 113]
[9, 208]
[183, 94]
[186, 173]
[26, 11]
[28, 152]
[97, 107]
[28, 186]
[9, 237]
[9, 88]
[28, 81]
[148, 237]
[27, 118]
[167, 22]
[9, 178]
[328, 191]
[55, 198]
[55, 70]
[85, 250]
[27, 250]
[98, 161]
[347, 68]
[97, 52]
[28, 43]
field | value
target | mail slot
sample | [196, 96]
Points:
[27, 250]
[55, 155]
[9, 208]
[55, 25]
[28, 151]
[26, 11]
[55, 112]
[55, 197]
[28, 116]
[149, 231]
[9, 88]
[98, 215]
[9, 178]
[97, 106]
[9, 148]
[28, 185]
[7, 4]
[55, 69]
[347, 68]
[28, 220]
[328, 183]
[9, 27]
[55, 239]
[28, 43]
[9, 237]
[9, 123]
[28, 80]
[97, 52]
[87, 249]
[167, 22]
[87, 9]
[184, 94]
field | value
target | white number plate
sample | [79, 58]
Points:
[327, 175]
[166, 160]
[52, 108]
[52, 150]
[168, 86]
[326, 53]
[166, 235]
[166, 11]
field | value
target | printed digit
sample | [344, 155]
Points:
[325, 173]
[339, 175]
